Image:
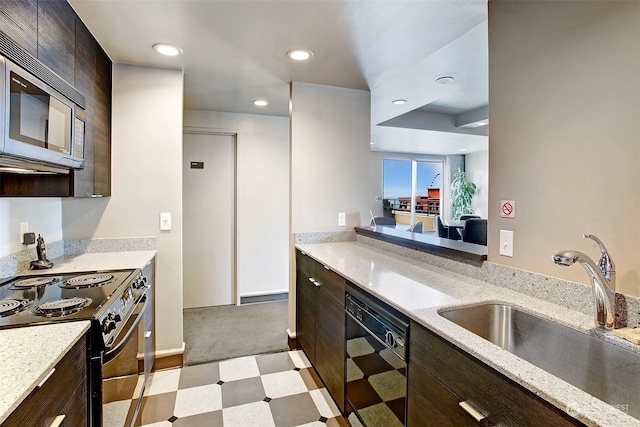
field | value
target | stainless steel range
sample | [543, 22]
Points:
[114, 301]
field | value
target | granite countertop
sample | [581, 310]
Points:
[96, 261]
[420, 290]
[28, 354]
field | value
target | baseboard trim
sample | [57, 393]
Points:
[164, 359]
[252, 299]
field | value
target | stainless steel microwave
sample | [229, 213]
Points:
[42, 130]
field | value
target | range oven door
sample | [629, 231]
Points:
[120, 357]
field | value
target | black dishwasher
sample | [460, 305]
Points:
[375, 361]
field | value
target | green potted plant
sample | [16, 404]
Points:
[462, 191]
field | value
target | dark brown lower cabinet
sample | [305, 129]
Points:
[330, 339]
[429, 402]
[320, 325]
[306, 315]
[63, 395]
[441, 376]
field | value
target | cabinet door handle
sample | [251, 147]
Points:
[312, 280]
[147, 334]
[46, 378]
[469, 409]
[57, 421]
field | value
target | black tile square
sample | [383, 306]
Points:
[239, 392]
[371, 364]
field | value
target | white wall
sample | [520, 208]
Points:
[146, 179]
[564, 92]
[330, 136]
[262, 196]
[477, 171]
[330, 163]
[44, 216]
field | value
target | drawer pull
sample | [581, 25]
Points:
[147, 334]
[57, 421]
[469, 409]
[312, 280]
[46, 378]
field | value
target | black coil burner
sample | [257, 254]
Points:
[12, 306]
[34, 282]
[61, 307]
[88, 281]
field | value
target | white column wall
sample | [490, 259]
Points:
[146, 179]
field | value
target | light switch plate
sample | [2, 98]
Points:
[506, 243]
[342, 220]
[165, 221]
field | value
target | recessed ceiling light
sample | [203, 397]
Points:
[463, 150]
[167, 49]
[260, 102]
[300, 54]
[444, 80]
[482, 123]
[399, 101]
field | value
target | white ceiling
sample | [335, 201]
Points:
[235, 51]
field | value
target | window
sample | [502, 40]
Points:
[397, 179]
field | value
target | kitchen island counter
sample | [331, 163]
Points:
[28, 355]
[420, 290]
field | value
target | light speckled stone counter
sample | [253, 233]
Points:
[97, 261]
[421, 290]
[28, 354]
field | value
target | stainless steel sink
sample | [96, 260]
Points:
[604, 370]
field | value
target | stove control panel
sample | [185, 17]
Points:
[119, 311]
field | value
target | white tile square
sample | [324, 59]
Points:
[325, 404]
[281, 384]
[115, 413]
[359, 347]
[299, 359]
[239, 369]
[198, 400]
[160, 382]
[249, 415]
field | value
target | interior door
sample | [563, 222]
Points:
[209, 219]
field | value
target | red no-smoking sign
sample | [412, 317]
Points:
[507, 209]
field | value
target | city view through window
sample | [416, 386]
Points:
[397, 185]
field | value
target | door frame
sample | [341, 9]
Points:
[197, 130]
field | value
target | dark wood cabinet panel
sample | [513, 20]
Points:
[93, 80]
[64, 393]
[56, 37]
[330, 343]
[429, 402]
[306, 315]
[102, 125]
[19, 21]
[320, 324]
[471, 380]
[331, 282]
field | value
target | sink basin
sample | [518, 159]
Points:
[604, 370]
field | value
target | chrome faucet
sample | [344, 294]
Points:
[602, 275]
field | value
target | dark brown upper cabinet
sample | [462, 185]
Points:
[19, 21]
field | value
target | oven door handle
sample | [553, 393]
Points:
[114, 351]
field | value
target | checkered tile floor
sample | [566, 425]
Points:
[376, 383]
[279, 390]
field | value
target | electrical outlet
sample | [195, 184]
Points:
[24, 228]
[506, 243]
[342, 219]
[165, 221]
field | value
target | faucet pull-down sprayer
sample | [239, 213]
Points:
[602, 275]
